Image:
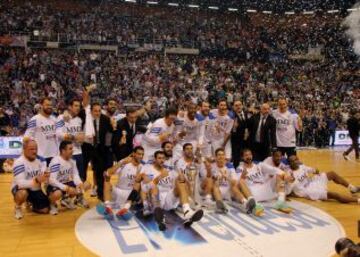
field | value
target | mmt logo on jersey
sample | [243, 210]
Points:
[303, 233]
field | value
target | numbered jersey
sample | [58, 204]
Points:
[166, 184]
[127, 175]
[63, 171]
[221, 125]
[43, 131]
[286, 125]
[72, 127]
[25, 171]
[223, 174]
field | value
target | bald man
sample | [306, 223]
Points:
[262, 133]
[29, 173]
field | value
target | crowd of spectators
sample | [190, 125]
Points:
[324, 90]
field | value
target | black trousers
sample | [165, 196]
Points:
[97, 155]
[236, 151]
[260, 151]
[354, 146]
[288, 151]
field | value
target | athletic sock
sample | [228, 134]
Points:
[107, 204]
[186, 207]
[281, 197]
[127, 205]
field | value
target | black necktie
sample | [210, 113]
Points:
[96, 139]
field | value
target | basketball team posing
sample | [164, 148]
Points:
[183, 163]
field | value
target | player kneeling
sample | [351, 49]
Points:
[29, 174]
[259, 179]
[163, 190]
[126, 191]
[65, 183]
[312, 184]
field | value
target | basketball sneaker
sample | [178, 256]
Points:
[124, 214]
[346, 157]
[250, 205]
[93, 191]
[82, 202]
[191, 216]
[283, 207]
[160, 218]
[66, 202]
[258, 210]
[108, 213]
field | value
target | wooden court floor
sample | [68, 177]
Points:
[46, 235]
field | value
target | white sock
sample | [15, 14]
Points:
[281, 197]
[127, 205]
[186, 207]
[107, 204]
[208, 197]
[352, 187]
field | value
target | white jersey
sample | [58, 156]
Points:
[166, 184]
[258, 174]
[223, 175]
[192, 128]
[151, 141]
[286, 126]
[72, 127]
[127, 175]
[63, 171]
[25, 171]
[207, 123]
[186, 168]
[309, 185]
[221, 126]
[43, 131]
[259, 179]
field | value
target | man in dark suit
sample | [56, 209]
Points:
[126, 130]
[238, 140]
[96, 150]
[262, 133]
[353, 125]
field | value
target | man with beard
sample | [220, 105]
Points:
[167, 147]
[221, 128]
[188, 129]
[166, 190]
[70, 129]
[42, 129]
[206, 118]
[311, 184]
[258, 178]
[110, 111]
[160, 131]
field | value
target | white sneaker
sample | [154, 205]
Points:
[68, 204]
[18, 213]
[53, 209]
[191, 216]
